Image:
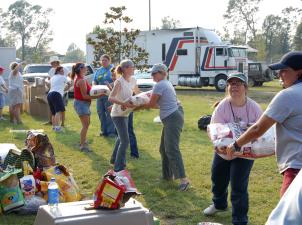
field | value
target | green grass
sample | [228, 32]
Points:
[171, 206]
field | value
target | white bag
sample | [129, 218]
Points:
[98, 90]
[141, 98]
[224, 134]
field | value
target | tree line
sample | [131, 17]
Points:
[30, 25]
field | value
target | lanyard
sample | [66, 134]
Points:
[247, 113]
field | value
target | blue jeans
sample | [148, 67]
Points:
[118, 156]
[132, 137]
[102, 105]
[237, 171]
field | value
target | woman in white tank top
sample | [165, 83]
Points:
[123, 89]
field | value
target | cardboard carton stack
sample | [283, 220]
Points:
[35, 100]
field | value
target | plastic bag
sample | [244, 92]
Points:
[141, 98]
[98, 90]
[42, 149]
[224, 134]
[115, 189]
[31, 206]
[69, 191]
[11, 196]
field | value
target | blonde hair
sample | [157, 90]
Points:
[13, 65]
[123, 65]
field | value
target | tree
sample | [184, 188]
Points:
[169, 23]
[74, 54]
[242, 14]
[118, 44]
[30, 23]
[277, 32]
[298, 38]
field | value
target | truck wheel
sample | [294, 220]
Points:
[251, 82]
[220, 82]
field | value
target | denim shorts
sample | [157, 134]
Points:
[82, 107]
[2, 100]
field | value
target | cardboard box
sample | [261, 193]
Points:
[39, 109]
[75, 213]
[36, 91]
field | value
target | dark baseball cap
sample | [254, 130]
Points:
[239, 76]
[292, 60]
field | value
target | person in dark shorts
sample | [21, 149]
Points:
[58, 84]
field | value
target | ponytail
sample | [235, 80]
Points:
[76, 69]
[119, 70]
[72, 74]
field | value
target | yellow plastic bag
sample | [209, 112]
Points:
[69, 191]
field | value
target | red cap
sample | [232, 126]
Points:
[1, 68]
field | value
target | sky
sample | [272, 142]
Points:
[72, 20]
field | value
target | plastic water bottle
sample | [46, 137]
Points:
[53, 193]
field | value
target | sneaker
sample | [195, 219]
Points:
[184, 186]
[2, 118]
[211, 210]
[85, 148]
[58, 129]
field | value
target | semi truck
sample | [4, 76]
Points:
[195, 57]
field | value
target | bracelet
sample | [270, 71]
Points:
[236, 147]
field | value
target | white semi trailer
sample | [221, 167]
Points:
[195, 57]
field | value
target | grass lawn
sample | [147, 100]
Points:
[170, 205]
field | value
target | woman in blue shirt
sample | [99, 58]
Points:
[102, 77]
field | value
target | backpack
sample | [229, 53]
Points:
[204, 121]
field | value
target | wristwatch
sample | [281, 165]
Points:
[236, 147]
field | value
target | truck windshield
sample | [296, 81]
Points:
[238, 52]
[38, 69]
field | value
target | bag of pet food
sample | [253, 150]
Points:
[42, 149]
[98, 90]
[114, 190]
[11, 196]
[224, 134]
[69, 191]
[141, 98]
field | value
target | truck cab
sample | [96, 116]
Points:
[258, 73]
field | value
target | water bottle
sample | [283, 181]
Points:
[53, 193]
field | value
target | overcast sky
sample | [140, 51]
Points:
[72, 20]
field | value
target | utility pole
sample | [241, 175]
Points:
[149, 15]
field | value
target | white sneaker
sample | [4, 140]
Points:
[2, 118]
[211, 210]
